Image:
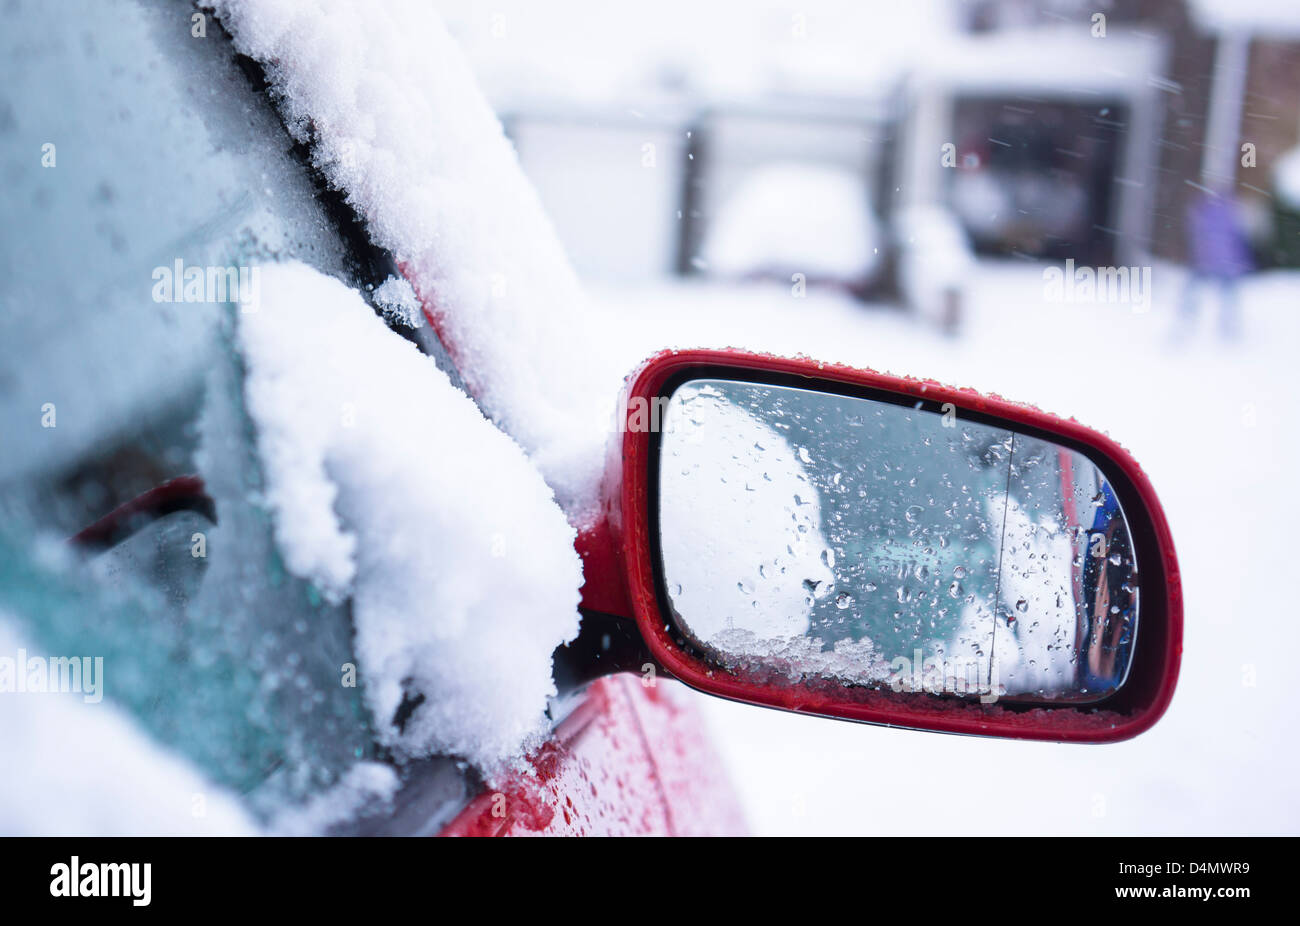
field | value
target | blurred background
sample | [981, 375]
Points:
[1094, 207]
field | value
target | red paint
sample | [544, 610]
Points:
[604, 585]
[626, 762]
[627, 508]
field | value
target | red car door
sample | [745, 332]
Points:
[633, 758]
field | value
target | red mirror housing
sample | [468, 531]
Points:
[624, 574]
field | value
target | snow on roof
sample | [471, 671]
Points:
[1269, 18]
[1064, 60]
[527, 53]
[1286, 177]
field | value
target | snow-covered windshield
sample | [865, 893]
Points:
[146, 187]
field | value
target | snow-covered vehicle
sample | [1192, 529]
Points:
[797, 224]
[320, 511]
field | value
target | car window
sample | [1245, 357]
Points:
[145, 181]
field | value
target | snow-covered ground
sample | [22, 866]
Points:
[1213, 426]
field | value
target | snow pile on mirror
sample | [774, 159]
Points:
[87, 769]
[397, 122]
[387, 484]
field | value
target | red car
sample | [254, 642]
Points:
[234, 519]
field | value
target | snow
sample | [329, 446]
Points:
[400, 126]
[1271, 18]
[934, 259]
[387, 484]
[1058, 60]
[855, 662]
[529, 54]
[367, 787]
[791, 218]
[399, 303]
[87, 769]
[1286, 177]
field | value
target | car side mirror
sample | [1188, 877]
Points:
[854, 545]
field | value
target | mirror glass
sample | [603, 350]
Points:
[819, 535]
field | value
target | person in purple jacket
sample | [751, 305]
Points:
[1219, 254]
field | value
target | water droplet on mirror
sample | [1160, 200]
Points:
[804, 455]
[1022, 606]
[828, 558]
[843, 600]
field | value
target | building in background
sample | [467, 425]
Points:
[1218, 109]
[1026, 129]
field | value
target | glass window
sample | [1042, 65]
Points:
[134, 155]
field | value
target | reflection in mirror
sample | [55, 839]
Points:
[827, 536]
